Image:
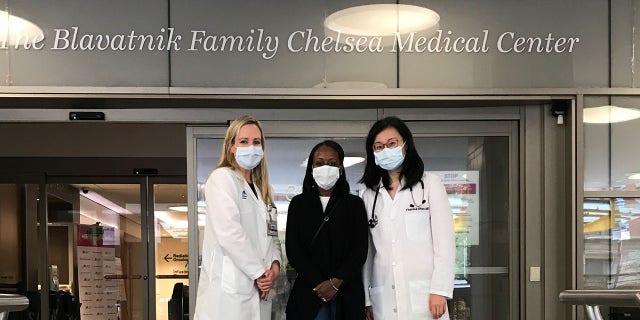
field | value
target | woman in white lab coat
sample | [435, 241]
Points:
[241, 252]
[410, 267]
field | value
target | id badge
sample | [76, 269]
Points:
[272, 224]
[272, 228]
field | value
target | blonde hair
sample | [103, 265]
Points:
[259, 174]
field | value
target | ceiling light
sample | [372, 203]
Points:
[610, 114]
[170, 220]
[348, 161]
[635, 176]
[99, 199]
[16, 31]
[184, 208]
[179, 208]
[380, 20]
[351, 85]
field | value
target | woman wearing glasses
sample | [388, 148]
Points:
[241, 251]
[410, 267]
[326, 241]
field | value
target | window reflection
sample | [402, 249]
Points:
[610, 160]
[611, 243]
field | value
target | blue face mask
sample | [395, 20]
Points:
[248, 157]
[389, 159]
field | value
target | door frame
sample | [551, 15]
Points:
[496, 121]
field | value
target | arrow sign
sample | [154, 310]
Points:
[166, 258]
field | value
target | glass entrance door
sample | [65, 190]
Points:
[478, 170]
[171, 248]
[107, 237]
[97, 249]
[477, 162]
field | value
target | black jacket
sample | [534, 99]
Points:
[339, 252]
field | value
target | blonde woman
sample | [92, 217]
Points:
[241, 252]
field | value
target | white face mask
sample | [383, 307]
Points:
[248, 157]
[389, 159]
[326, 176]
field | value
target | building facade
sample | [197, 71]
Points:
[115, 113]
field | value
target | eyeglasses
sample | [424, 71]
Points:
[391, 143]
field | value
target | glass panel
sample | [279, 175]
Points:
[207, 157]
[476, 176]
[171, 243]
[611, 243]
[95, 249]
[10, 215]
[469, 166]
[19, 216]
[610, 125]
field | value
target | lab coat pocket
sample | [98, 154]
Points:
[419, 295]
[233, 279]
[417, 226]
[380, 302]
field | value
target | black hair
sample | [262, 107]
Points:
[412, 166]
[309, 184]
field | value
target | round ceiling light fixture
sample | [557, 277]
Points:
[16, 31]
[609, 114]
[380, 20]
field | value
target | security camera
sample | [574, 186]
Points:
[85, 190]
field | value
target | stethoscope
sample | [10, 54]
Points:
[373, 221]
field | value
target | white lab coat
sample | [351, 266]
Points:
[411, 251]
[236, 250]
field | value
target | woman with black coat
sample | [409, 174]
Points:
[326, 241]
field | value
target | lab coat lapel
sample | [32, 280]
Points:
[257, 198]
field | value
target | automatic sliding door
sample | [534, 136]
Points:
[97, 251]
[476, 164]
[171, 251]
[475, 173]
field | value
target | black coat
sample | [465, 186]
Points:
[339, 251]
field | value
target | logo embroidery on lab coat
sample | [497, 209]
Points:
[417, 208]
[244, 195]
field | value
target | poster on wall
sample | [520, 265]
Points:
[96, 258]
[463, 191]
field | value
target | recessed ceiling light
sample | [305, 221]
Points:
[348, 161]
[184, 208]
